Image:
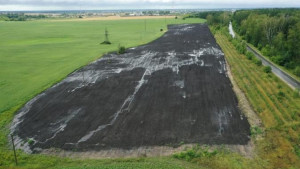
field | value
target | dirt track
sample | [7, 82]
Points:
[172, 90]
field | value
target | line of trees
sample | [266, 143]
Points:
[276, 32]
[213, 17]
[19, 17]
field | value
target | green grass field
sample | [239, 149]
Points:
[34, 55]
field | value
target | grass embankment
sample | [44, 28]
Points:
[277, 105]
[34, 55]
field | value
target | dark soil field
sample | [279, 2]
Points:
[170, 91]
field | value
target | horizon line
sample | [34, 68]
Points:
[120, 9]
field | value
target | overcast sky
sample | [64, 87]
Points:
[11, 5]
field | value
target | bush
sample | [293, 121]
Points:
[267, 69]
[121, 50]
[258, 62]
[240, 45]
[259, 46]
[279, 60]
[254, 131]
[297, 150]
[296, 93]
[297, 71]
[240, 49]
[249, 55]
[266, 50]
[281, 94]
[279, 86]
[30, 141]
[218, 27]
[195, 152]
[290, 65]
[244, 46]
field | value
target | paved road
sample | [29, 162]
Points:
[293, 83]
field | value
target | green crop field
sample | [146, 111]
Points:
[34, 55]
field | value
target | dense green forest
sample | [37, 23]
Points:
[275, 32]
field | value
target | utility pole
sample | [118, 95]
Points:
[13, 144]
[166, 19]
[145, 25]
[106, 41]
[106, 35]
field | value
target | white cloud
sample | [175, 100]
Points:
[139, 4]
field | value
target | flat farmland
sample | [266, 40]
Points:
[34, 55]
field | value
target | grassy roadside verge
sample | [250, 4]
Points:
[276, 104]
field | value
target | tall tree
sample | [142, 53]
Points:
[294, 41]
[270, 28]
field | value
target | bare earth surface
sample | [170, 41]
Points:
[174, 89]
[246, 150]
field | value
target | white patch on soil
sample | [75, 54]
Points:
[179, 83]
[90, 134]
[151, 63]
[147, 60]
[125, 106]
[223, 122]
[19, 143]
[62, 124]
[183, 29]
[184, 95]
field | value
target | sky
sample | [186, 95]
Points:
[19, 5]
